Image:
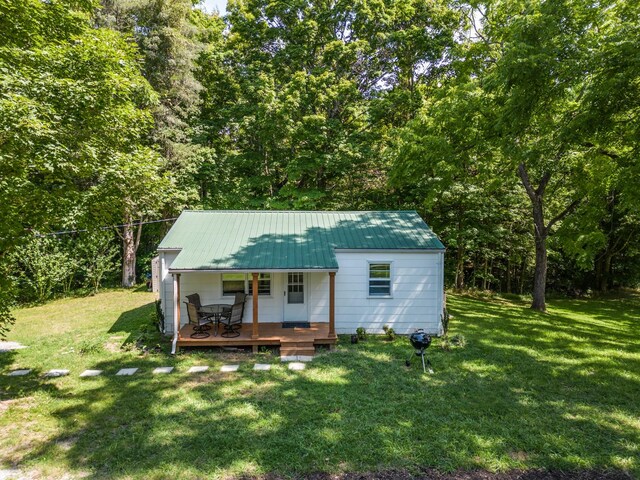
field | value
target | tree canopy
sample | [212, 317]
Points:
[511, 126]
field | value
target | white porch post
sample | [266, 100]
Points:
[254, 332]
[332, 304]
[176, 312]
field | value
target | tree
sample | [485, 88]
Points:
[167, 33]
[99, 258]
[136, 188]
[72, 100]
[288, 104]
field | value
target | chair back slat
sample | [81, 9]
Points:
[195, 299]
[192, 312]
[240, 297]
[236, 312]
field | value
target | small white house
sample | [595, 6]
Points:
[329, 272]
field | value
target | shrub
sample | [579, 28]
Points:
[389, 332]
[457, 341]
[87, 347]
[361, 332]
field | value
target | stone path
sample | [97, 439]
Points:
[127, 372]
[8, 346]
[229, 368]
[163, 370]
[197, 369]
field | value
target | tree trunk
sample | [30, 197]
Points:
[541, 232]
[459, 280]
[128, 257]
[540, 275]
[130, 246]
[484, 277]
[606, 270]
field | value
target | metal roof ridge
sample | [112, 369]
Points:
[299, 211]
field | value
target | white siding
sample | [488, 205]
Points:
[417, 291]
[209, 287]
[166, 289]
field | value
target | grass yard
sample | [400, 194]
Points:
[528, 390]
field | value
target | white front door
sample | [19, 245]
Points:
[295, 297]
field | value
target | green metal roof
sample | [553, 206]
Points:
[289, 240]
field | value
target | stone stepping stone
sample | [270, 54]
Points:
[8, 346]
[199, 369]
[126, 371]
[229, 368]
[163, 370]
[19, 373]
[296, 358]
[297, 366]
[262, 366]
[57, 372]
[91, 373]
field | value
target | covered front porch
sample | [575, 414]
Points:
[292, 340]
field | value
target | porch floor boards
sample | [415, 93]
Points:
[269, 334]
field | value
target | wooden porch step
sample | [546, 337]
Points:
[290, 349]
[296, 344]
[295, 352]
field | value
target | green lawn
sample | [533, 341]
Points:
[528, 390]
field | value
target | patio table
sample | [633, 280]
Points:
[215, 311]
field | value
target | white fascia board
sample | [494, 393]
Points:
[389, 250]
[278, 270]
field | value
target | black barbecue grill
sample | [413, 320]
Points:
[420, 342]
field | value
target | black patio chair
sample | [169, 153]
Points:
[200, 323]
[240, 297]
[232, 321]
[195, 299]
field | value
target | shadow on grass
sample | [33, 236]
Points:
[519, 395]
[136, 322]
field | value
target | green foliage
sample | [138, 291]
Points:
[389, 332]
[298, 100]
[89, 347]
[361, 332]
[98, 258]
[42, 266]
[73, 101]
[454, 342]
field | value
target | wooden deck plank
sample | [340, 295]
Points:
[269, 334]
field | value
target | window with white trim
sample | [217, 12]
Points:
[380, 279]
[264, 284]
[233, 283]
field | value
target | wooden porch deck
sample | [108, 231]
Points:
[292, 341]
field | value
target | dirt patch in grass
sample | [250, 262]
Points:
[430, 474]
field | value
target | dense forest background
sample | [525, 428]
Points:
[511, 126]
